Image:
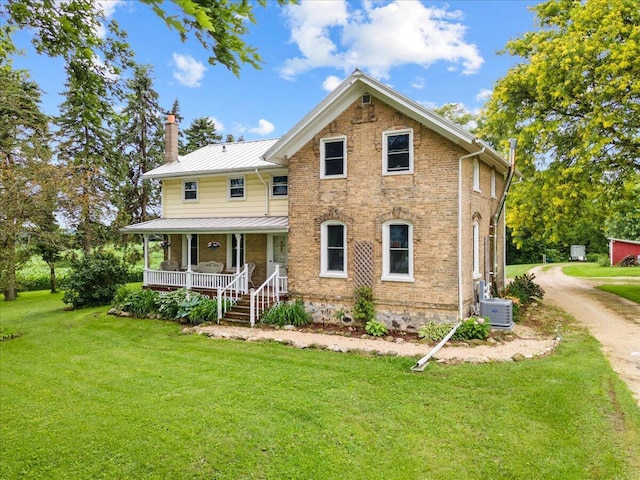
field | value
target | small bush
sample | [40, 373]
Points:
[473, 328]
[94, 279]
[434, 331]
[375, 328]
[524, 289]
[205, 311]
[363, 307]
[177, 305]
[287, 314]
[602, 260]
[141, 303]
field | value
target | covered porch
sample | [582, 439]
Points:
[209, 254]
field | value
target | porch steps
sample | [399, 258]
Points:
[240, 313]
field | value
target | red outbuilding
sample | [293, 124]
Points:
[618, 249]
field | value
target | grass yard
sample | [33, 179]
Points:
[513, 271]
[85, 395]
[630, 292]
[593, 270]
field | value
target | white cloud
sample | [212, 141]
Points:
[189, 72]
[484, 94]
[330, 83]
[418, 83]
[264, 127]
[377, 37]
[219, 125]
[108, 7]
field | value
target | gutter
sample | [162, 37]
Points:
[266, 193]
[474, 154]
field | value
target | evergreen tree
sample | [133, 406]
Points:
[201, 132]
[140, 147]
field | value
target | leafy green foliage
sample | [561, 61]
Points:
[94, 279]
[363, 307]
[376, 328]
[7, 333]
[524, 289]
[434, 331]
[141, 303]
[473, 328]
[287, 314]
[205, 311]
[200, 133]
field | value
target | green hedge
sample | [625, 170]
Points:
[29, 281]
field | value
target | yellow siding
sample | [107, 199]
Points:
[212, 199]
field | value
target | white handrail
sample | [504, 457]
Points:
[261, 298]
[231, 293]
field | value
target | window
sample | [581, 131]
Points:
[279, 185]
[236, 188]
[397, 155]
[476, 175]
[190, 190]
[333, 158]
[493, 183]
[397, 251]
[333, 254]
[476, 249]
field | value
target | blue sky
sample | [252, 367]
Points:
[431, 52]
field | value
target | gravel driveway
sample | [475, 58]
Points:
[612, 320]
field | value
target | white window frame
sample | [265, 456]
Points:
[385, 144]
[476, 249]
[244, 187]
[324, 258]
[493, 183]
[386, 258]
[323, 141]
[184, 190]
[272, 184]
[476, 175]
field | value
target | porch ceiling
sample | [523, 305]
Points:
[212, 225]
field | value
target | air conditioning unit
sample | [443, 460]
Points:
[499, 311]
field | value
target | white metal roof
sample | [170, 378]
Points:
[212, 225]
[217, 158]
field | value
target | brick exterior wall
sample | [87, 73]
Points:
[365, 199]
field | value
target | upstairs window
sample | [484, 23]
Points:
[397, 156]
[190, 190]
[333, 158]
[333, 244]
[236, 188]
[476, 175]
[493, 183]
[279, 185]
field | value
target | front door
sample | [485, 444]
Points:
[277, 254]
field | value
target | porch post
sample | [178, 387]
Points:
[145, 252]
[189, 281]
[238, 239]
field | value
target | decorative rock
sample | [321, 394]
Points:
[517, 357]
[389, 338]
[392, 353]
[288, 327]
[399, 340]
[364, 336]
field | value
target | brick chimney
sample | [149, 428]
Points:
[170, 139]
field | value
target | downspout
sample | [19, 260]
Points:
[266, 193]
[496, 217]
[460, 300]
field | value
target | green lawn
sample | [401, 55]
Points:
[85, 395]
[516, 270]
[593, 270]
[631, 292]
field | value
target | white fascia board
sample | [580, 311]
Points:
[209, 173]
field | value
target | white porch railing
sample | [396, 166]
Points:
[188, 279]
[228, 295]
[265, 295]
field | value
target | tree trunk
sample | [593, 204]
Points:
[52, 277]
[10, 289]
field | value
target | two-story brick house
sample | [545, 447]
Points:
[369, 188]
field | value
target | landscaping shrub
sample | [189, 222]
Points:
[363, 308]
[287, 314]
[375, 328]
[141, 303]
[94, 279]
[473, 328]
[169, 304]
[434, 331]
[602, 260]
[205, 311]
[524, 289]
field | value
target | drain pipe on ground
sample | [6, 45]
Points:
[422, 363]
